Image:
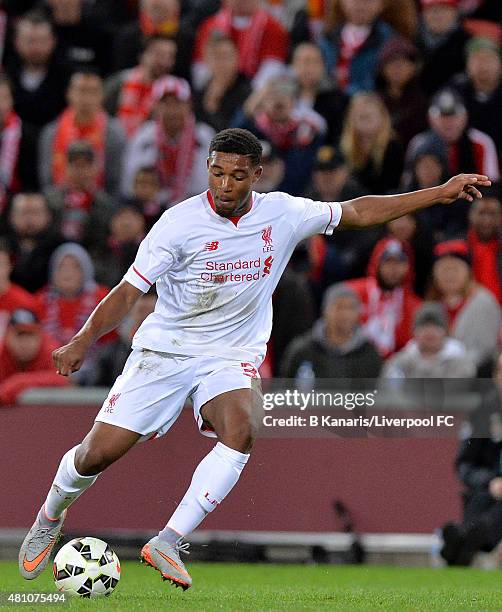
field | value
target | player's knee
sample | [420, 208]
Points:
[241, 437]
[90, 461]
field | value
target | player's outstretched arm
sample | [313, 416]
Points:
[105, 317]
[373, 210]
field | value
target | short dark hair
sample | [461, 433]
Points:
[35, 17]
[236, 140]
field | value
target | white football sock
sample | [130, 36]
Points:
[67, 486]
[212, 481]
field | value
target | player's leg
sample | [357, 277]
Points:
[78, 470]
[235, 417]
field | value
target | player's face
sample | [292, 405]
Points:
[231, 179]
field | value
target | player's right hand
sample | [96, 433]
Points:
[70, 357]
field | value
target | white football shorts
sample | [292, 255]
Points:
[151, 391]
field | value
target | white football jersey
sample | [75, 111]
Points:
[215, 277]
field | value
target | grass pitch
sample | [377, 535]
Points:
[229, 586]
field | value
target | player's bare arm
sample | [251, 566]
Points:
[373, 210]
[106, 316]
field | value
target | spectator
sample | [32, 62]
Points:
[427, 166]
[352, 46]
[114, 355]
[227, 89]
[272, 114]
[346, 253]
[84, 119]
[32, 240]
[374, 156]
[399, 87]
[473, 312]
[431, 353]
[481, 87]
[172, 142]
[261, 40]
[115, 255]
[336, 347]
[81, 213]
[388, 302]
[273, 169]
[156, 17]
[26, 358]
[83, 43]
[69, 298]
[467, 149]
[411, 230]
[128, 94]
[441, 41]
[38, 77]
[147, 194]
[17, 148]
[315, 91]
[484, 239]
[479, 470]
[12, 296]
[294, 310]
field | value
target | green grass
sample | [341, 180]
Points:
[245, 587]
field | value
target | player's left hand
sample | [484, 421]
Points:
[463, 187]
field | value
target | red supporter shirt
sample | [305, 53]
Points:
[274, 42]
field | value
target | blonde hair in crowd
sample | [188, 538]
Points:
[350, 139]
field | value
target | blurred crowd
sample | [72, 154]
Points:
[107, 108]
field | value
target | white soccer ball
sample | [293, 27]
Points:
[86, 567]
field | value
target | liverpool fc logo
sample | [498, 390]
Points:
[266, 235]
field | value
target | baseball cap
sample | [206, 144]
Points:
[447, 102]
[453, 248]
[393, 250]
[24, 320]
[80, 148]
[171, 86]
[328, 158]
[427, 3]
[431, 313]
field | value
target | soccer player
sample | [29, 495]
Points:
[216, 259]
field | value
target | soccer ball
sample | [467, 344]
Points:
[86, 567]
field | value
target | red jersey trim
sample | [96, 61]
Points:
[234, 220]
[330, 218]
[141, 276]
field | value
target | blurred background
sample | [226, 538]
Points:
[107, 108]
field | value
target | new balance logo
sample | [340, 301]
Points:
[266, 235]
[112, 400]
[211, 246]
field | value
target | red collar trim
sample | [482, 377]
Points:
[234, 220]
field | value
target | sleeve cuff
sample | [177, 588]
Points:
[137, 279]
[335, 217]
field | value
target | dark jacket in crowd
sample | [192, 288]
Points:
[358, 359]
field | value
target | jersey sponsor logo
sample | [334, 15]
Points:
[267, 265]
[212, 246]
[266, 235]
[112, 400]
[248, 369]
